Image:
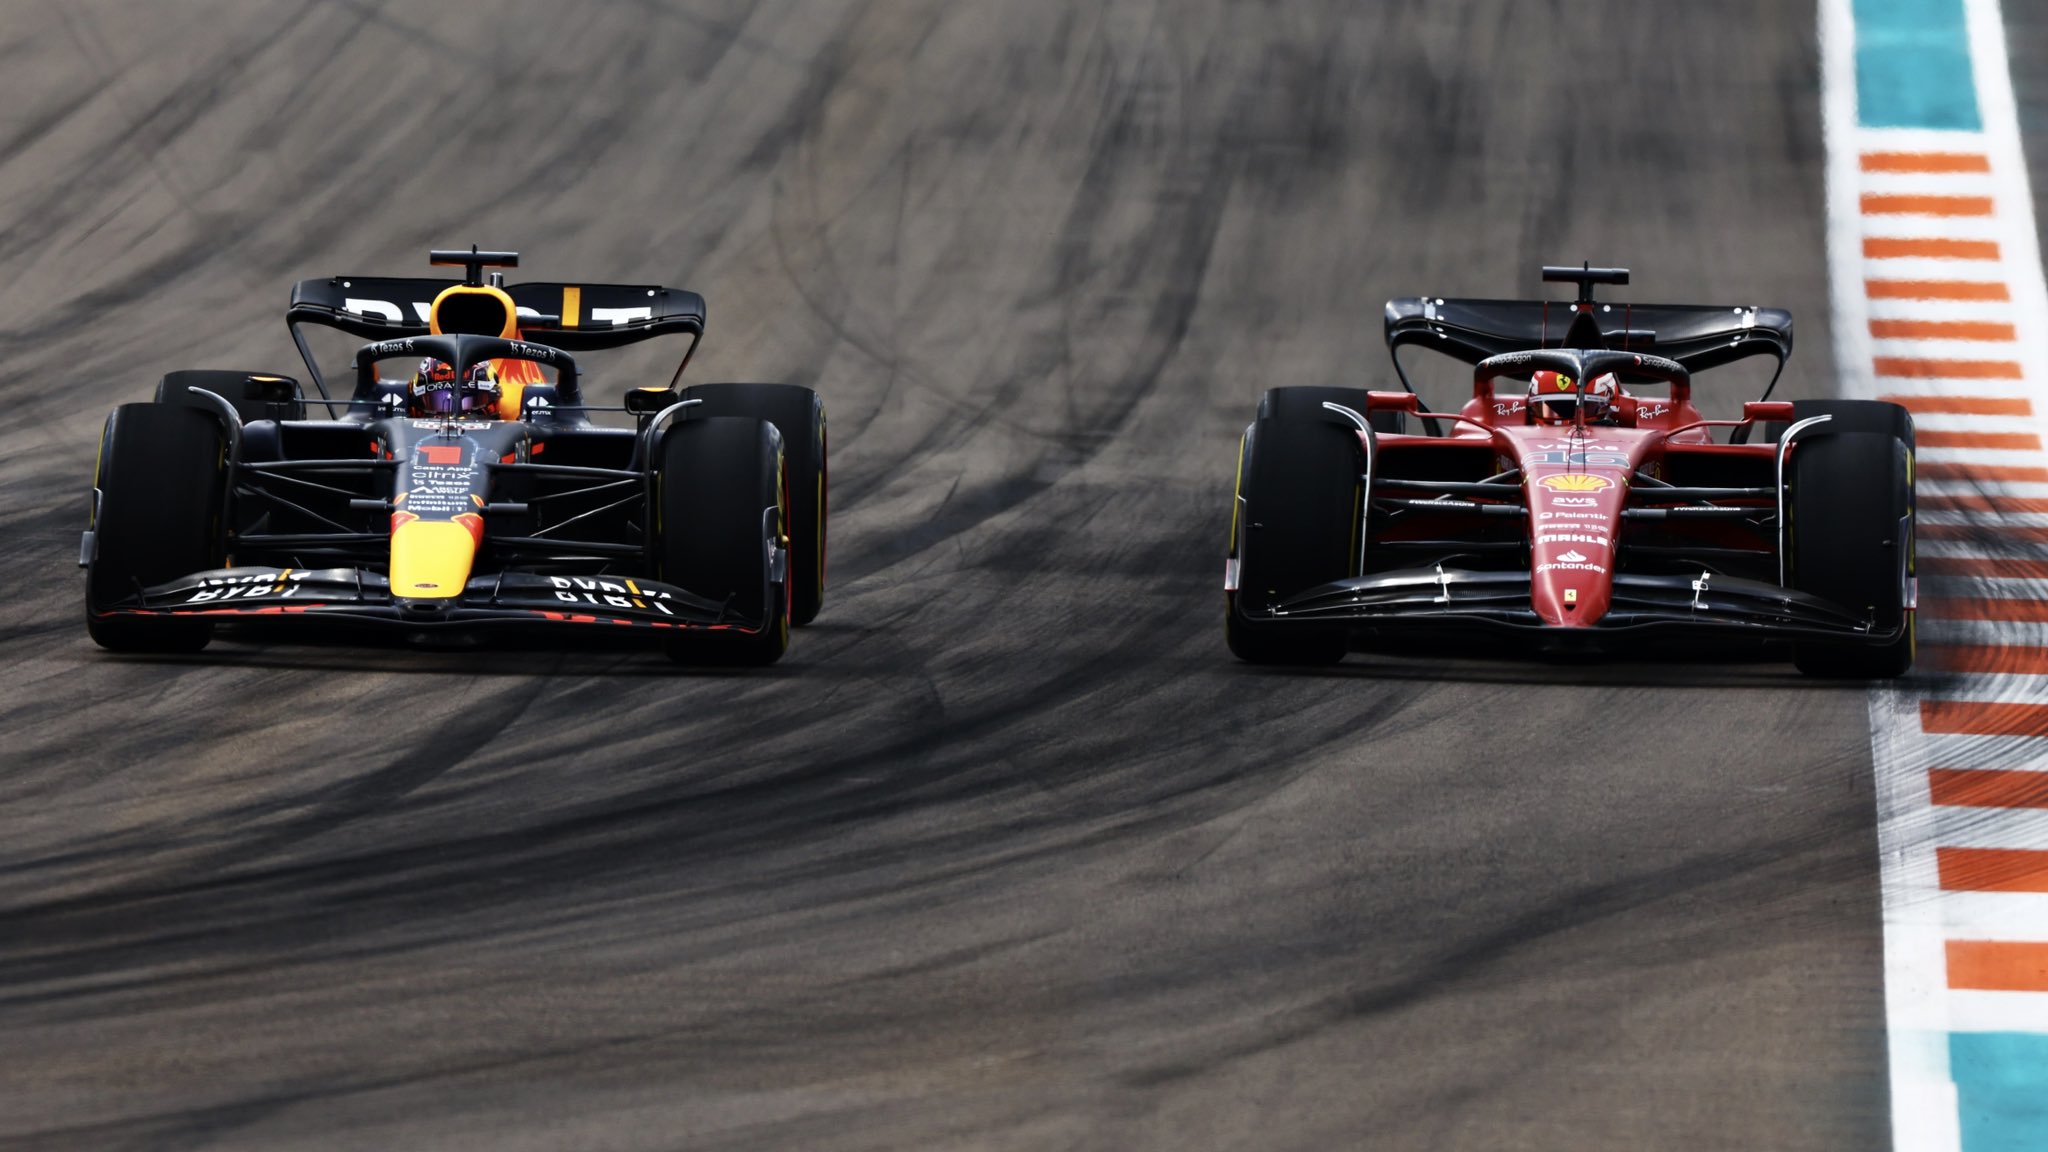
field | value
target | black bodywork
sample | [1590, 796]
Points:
[563, 509]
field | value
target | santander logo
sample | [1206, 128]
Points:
[1572, 557]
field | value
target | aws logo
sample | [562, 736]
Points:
[1576, 482]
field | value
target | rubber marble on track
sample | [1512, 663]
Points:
[1008, 853]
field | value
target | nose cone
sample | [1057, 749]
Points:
[1572, 522]
[431, 559]
[1576, 480]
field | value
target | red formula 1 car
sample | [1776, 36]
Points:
[468, 493]
[1569, 503]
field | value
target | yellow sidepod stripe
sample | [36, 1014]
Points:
[430, 559]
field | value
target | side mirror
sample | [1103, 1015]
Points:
[280, 396]
[648, 401]
[275, 389]
[1392, 402]
[1779, 410]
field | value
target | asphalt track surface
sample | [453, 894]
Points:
[1008, 853]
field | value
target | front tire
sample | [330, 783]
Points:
[799, 414]
[720, 495]
[1850, 534]
[1294, 526]
[162, 479]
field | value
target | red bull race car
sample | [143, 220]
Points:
[1578, 499]
[469, 492]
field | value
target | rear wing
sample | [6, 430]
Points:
[572, 317]
[1697, 336]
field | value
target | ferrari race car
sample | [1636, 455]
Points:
[471, 493]
[1561, 506]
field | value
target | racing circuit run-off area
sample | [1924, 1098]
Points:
[832, 575]
[1940, 303]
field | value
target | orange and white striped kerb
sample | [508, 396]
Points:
[1939, 305]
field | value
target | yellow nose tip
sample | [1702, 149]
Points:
[430, 559]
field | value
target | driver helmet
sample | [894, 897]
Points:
[1554, 397]
[436, 392]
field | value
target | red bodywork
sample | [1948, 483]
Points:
[1577, 479]
[1630, 518]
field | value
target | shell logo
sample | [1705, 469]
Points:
[1576, 482]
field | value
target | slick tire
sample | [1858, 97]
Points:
[244, 390]
[1850, 528]
[1294, 525]
[720, 500]
[799, 414]
[162, 479]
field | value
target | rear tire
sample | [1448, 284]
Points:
[799, 414]
[1850, 533]
[720, 495]
[1294, 526]
[162, 478]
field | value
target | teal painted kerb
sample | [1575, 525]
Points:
[1913, 65]
[2001, 1083]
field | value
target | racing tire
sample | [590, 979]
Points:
[1850, 530]
[1294, 525]
[244, 390]
[720, 500]
[799, 414]
[162, 479]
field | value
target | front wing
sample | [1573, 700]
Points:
[355, 596]
[1448, 597]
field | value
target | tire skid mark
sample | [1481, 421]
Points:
[1006, 843]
